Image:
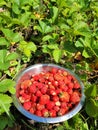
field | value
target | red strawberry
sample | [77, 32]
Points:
[44, 99]
[32, 110]
[45, 112]
[50, 105]
[62, 111]
[44, 90]
[55, 83]
[64, 96]
[26, 97]
[52, 92]
[56, 108]
[25, 84]
[38, 113]
[55, 98]
[63, 104]
[40, 106]
[33, 98]
[76, 85]
[52, 113]
[75, 98]
[54, 70]
[27, 105]
[38, 93]
[32, 89]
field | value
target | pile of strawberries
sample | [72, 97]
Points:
[50, 94]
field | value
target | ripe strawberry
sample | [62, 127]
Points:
[62, 111]
[27, 105]
[33, 98]
[44, 99]
[55, 83]
[57, 77]
[63, 104]
[25, 84]
[45, 112]
[32, 89]
[70, 85]
[76, 85]
[26, 97]
[38, 113]
[50, 105]
[21, 91]
[32, 110]
[64, 96]
[52, 92]
[52, 113]
[75, 98]
[38, 93]
[40, 106]
[55, 98]
[54, 70]
[44, 90]
[56, 108]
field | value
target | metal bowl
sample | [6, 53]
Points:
[35, 69]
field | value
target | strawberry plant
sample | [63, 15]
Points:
[64, 32]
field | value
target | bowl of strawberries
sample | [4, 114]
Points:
[48, 93]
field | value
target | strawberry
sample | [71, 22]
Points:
[55, 83]
[32, 110]
[44, 90]
[76, 85]
[33, 98]
[56, 108]
[32, 89]
[26, 97]
[52, 92]
[55, 98]
[45, 112]
[62, 111]
[27, 105]
[64, 96]
[38, 113]
[50, 105]
[44, 99]
[63, 104]
[54, 70]
[52, 113]
[40, 106]
[25, 84]
[38, 93]
[75, 98]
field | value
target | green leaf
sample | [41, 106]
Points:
[15, 8]
[57, 54]
[27, 48]
[55, 13]
[12, 56]
[5, 103]
[3, 41]
[91, 108]
[6, 85]
[85, 54]
[11, 36]
[45, 28]
[47, 37]
[91, 91]
[53, 46]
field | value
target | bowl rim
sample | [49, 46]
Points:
[58, 119]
